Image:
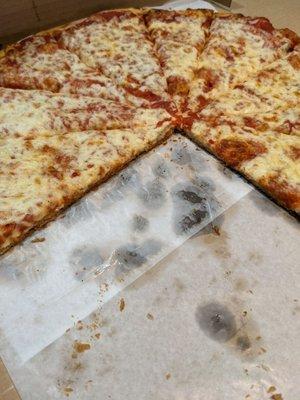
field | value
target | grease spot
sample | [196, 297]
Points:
[134, 255]
[205, 184]
[237, 330]
[243, 343]
[240, 284]
[216, 321]
[179, 285]
[192, 207]
[129, 176]
[161, 170]
[180, 155]
[29, 265]
[225, 171]
[194, 218]
[128, 179]
[153, 194]
[140, 223]
[254, 257]
[84, 259]
[190, 196]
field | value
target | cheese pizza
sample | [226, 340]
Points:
[79, 102]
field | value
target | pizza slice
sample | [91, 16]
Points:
[238, 47]
[265, 148]
[116, 42]
[24, 112]
[40, 176]
[179, 38]
[276, 86]
[39, 62]
[35, 113]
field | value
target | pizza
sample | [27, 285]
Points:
[34, 112]
[79, 102]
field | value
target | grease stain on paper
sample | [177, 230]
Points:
[133, 255]
[235, 329]
[153, 194]
[191, 207]
[216, 321]
[84, 259]
[139, 223]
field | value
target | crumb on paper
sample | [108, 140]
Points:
[216, 230]
[263, 350]
[150, 316]
[97, 335]
[271, 389]
[277, 396]
[79, 325]
[168, 376]
[121, 304]
[38, 240]
[80, 347]
[68, 391]
[104, 287]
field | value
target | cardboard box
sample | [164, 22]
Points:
[22, 17]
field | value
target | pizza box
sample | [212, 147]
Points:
[215, 316]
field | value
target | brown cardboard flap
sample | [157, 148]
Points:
[7, 389]
[19, 18]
